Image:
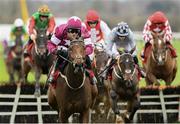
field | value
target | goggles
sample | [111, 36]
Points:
[72, 30]
[92, 22]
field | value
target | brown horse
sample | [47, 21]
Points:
[125, 86]
[160, 64]
[73, 92]
[41, 59]
[13, 61]
[100, 61]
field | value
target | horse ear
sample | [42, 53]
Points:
[132, 50]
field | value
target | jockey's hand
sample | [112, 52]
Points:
[47, 33]
[151, 41]
[61, 52]
[33, 37]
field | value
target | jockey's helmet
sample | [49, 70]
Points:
[122, 29]
[18, 22]
[44, 10]
[157, 18]
[74, 22]
[92, 16]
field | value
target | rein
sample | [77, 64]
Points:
[119, 67]
[84, 77]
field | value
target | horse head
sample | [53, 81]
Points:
[41, 42]
[159, 50]
[126, 66]
[100, 59]
[76, 53]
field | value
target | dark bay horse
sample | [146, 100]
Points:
[73, 92]
[160, 64]
[125, 87]
[41, 60]
[100, 61]
[13, 61]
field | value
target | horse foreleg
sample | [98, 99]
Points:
[107, 102]
[63, 118]
[84, 116]
[133, 106]
[37, 92]
[52, 98]
[151, 79]
[25, 70]
[114, 98]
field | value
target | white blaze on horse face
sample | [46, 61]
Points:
[128, 71]
[159, 42]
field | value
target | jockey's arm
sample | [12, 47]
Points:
[105, 29]
[109, 49]
[132, 43]
[51, 25]
[146, 32]
[31, 26]
[168, 32]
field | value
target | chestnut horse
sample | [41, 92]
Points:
[73, 92]
[100, 61]
[160, 64]
[125, 86]
[41, 59]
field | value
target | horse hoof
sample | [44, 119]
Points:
[119, 120]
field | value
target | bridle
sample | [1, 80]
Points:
[120, 75]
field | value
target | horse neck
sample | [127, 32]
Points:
[74, 79]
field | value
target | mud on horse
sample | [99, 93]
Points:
[73, 92]
[125, 86]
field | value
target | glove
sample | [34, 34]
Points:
[151, 41]
[61, 52]
[33, 37]
[47, 33]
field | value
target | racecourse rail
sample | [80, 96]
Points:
[159, 100]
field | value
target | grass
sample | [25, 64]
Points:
[176, 43]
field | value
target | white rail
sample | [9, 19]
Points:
[42, 101]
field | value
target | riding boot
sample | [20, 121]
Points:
[89, 71]
[147, 44]
[54, 71]
[57, 66]
[140, 71]
[172, 49]
[26, 48]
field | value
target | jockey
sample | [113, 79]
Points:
[42, 19]
[97, 28]
[60, 42]
[157, 23]
[17, 29]
[122, 37]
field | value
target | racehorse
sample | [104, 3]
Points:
[125, 86]
[73, 92]
[160, 64]
[13, 61]
[100, 61]
[41, 59]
